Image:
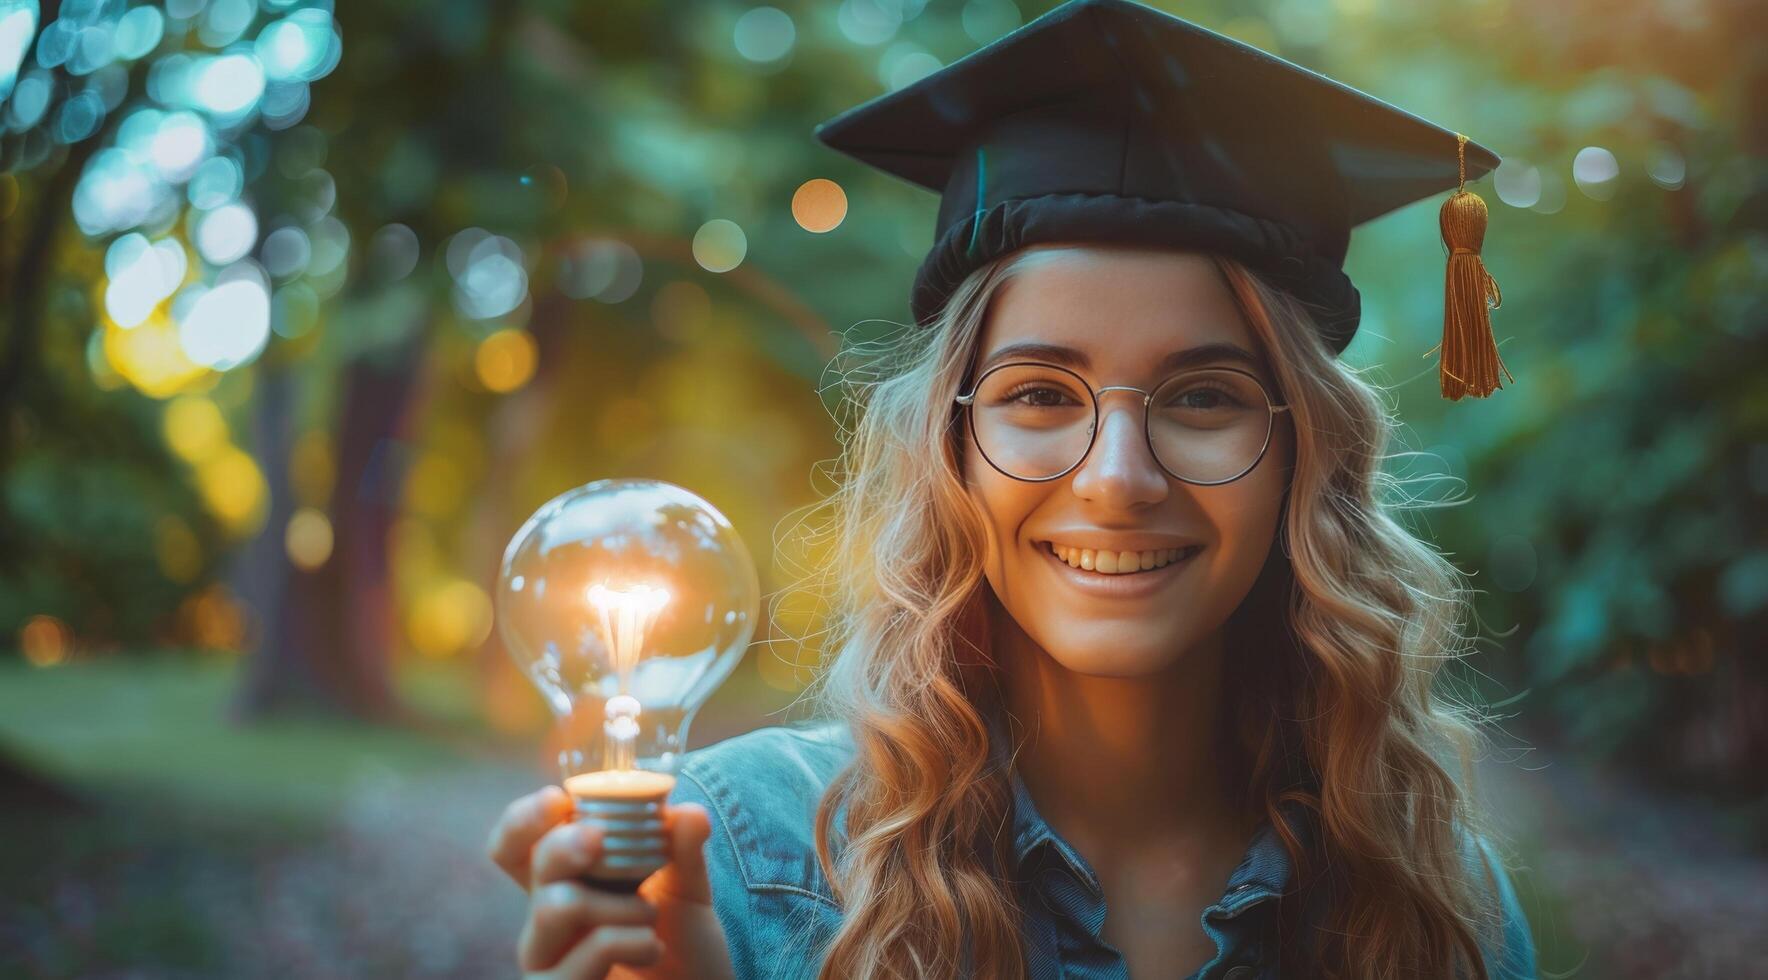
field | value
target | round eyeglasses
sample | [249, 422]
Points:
[1037, 422]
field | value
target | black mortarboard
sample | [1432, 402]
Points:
[1107, 120]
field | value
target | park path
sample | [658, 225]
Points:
[1642, 887]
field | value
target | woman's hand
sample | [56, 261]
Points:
[575, 932]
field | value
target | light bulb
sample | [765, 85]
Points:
[626, 602]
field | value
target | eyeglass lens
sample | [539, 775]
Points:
[1036, 421]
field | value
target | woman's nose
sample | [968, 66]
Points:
[1120, 471]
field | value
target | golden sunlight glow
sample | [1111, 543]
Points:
[150, 358]
[505, 360]
[308, 538]
[45, 641]
[819, 205]
[194, 428]
[214, 620]
[235, 491]
[452, 616]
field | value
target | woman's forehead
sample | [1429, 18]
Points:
[1117, 306]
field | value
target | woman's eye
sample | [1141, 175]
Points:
[1205, 399]
[1038, 395]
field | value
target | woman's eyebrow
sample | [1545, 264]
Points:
[1213, 353]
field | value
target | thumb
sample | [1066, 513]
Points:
[683, 879]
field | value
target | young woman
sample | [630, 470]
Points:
[1226, 765]
[1133, 665]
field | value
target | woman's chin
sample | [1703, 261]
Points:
[1110, 657]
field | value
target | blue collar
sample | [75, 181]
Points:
[1263, 872]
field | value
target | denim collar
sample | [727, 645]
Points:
[1263, 872]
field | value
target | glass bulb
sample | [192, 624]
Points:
[626, 602]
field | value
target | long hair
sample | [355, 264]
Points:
[1333, 705]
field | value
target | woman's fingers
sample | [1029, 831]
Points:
[523, 822]
[607, 946]
[683, 879]
[567, 852]
[563, 911]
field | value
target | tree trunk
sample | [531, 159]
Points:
[328, 633]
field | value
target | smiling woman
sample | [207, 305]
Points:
[1245, 737]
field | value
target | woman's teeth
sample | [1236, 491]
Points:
[1118, 562]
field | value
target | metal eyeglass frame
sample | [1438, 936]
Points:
[968, 401]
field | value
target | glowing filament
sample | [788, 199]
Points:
[625, 617]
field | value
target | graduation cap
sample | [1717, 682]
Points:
[1111, 121]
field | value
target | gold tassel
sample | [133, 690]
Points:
[1470, 363]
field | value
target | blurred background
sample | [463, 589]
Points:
[306, 309]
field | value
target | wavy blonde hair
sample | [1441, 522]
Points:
[1352, 620]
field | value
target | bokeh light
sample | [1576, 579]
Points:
[227, 325]
[1553, 193]
[764, 34]
[224, 21]
[294, 310]
[215, 620]
[233, 488]
[178, 143]
[720, 245]
[601, 269]
[216, 182]
[286, 252]
[986, 20]
[308, 538]
[226, 234]
[194, 428]
[393, 252]
[150, 357]
[142, 275]
[868, 21]
[489, 277]
[905, 63]
[449, 617]
[18, 24]
[45, 641]
[504, 361]
[1595, 169]
[300, 47]
[30, 99]
[227, 85]
[1666, 166]
[1517, 182]
[138, 32]
[819, 205]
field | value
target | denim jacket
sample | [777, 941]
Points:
[779, 913]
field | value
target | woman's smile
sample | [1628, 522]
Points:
[1107, 574]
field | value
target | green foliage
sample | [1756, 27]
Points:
[1616, 489]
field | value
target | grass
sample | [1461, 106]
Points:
[154, 728]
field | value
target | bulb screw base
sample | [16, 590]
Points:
[634, 843]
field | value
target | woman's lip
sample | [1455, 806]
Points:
[1130, 586]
